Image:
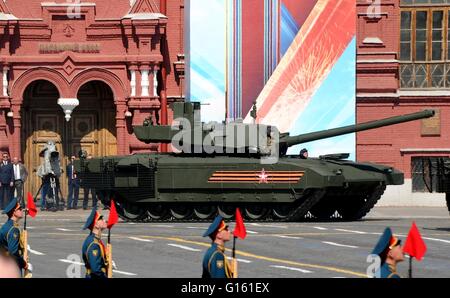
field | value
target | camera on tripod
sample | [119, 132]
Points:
[50, 171]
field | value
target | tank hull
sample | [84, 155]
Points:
[185, 187]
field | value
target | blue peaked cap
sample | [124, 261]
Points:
[386, 240]
[92, 217]
[214, 226]
[10, 206]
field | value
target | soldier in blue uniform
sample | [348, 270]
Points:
[94, 252]
[10, 235]
[390, 251]
[215, 264]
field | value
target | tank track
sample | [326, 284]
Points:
[300, 212]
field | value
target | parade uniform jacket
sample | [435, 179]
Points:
[94, 257]
[11, 240]
[215, 264]
[388, 271]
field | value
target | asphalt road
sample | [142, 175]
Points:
[303, 250]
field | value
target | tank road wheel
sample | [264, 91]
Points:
[157, 211]
[181, 212]
[132, 212]
[205, 211]
[282, 211]
[226, 211]
[255, 212]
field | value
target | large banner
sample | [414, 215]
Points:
[294, 58]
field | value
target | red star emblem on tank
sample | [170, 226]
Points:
[263, 176]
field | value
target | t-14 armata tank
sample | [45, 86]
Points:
[217, 167]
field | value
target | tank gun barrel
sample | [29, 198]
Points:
[313, 136]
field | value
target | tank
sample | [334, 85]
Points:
[215, 168]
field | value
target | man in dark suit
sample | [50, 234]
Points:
[20, 177]
[6, 181]
[74, 185]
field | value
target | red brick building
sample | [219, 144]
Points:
[114, 63]
[403, 66]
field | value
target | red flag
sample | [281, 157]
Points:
[113, 217]
[414, 245]
[32, 210]
[239, 230]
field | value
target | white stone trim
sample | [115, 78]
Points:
[47, 4]
[7, 16]
[133, 82]
[377, 61]
[426, 93]
[145, 16]
[372, 40]
[408, 150]
[377, 94]
[145, 83]
[5, 82]
[155, 82]
[402, 195]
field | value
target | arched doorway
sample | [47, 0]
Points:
[94, 121]
[92, 126]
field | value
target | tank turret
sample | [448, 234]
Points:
[189, 135]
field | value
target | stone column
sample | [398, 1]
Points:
[145, 83]
[15, 147]
[121, 126]
[5, 81]
[155, 80]
[133, 79]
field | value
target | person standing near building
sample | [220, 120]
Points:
[6, 181]
[74, 185]
[20, 177]
[86, 192]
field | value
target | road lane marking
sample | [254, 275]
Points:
[196, 228]
[184, 247]
[35, 252]
[82, 264]
[140, 239]
[64, 230]
[161, 226]
[320, 228]
[124, 272]
[288, 237]
[267, 226]
[291, 268]
[436, 239]
[350, 231]
[264, 258]
[340, 245]
[31, 228]
[240, 260]
[252, 232]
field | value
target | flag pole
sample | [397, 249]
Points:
[410, 267]
[235, 269]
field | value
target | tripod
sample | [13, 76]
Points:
[50, 185]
